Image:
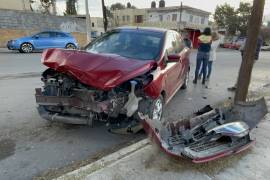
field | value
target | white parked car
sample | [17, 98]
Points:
[265, 47]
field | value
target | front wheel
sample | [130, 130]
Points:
[154, 109]
[26, 48]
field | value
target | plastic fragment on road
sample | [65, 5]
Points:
[211, 133]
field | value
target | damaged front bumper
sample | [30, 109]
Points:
[212, 134]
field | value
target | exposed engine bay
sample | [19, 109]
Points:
[65, 99]
[212, 133]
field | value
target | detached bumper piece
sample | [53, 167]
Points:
[210, 134]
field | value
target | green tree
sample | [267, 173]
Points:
[243, 14]
[117, 6]
[231, 19]
[71, 7]
[225, 16]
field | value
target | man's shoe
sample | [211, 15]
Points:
[232, 88]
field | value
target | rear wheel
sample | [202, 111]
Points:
[70, 46]
[26, 48]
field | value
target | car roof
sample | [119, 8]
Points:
[54, 31]
[148, 29]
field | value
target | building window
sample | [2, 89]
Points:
[160, 18]
[197, 20]
[139, 19]
[128, 18]
[168, 18]
[191, 18]
[174, 17]
[93, 24]
[203, 20]
[124, 18]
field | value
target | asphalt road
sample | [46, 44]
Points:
[30, 146]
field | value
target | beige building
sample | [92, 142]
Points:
[15, 5]
[165, 17]
[187, 19]
[129, 17]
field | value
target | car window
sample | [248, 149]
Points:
[171, 44]
[44, 35]
[135, 44]
[180, 44]
[58, 34]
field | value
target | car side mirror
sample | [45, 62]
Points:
[174, 57]
[36, 36]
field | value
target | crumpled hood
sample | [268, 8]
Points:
[102, 71]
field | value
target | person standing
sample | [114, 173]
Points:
[204, 48]
[213, 55]
[257, 53]
[187, 41]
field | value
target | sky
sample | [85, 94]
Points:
[207, 5]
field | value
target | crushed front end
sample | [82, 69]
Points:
[65, 99]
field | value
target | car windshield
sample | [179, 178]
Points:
[133, 44]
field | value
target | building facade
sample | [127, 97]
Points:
[23, 5]
[129, 17]
[185, 18]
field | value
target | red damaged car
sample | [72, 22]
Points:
[121, 73]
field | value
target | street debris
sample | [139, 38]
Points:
[211, 134]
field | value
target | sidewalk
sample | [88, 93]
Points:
[148, 162]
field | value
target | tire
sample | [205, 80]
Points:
[184, 86]
[70, 46]
[155, 109]
[26, 48]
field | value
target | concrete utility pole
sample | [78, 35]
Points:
[88, 22]
[53, 2]
[105, 20]
[180, 17]
[245, 72]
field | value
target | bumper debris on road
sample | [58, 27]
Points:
[210, 134]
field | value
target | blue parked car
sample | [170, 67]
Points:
[43, 40]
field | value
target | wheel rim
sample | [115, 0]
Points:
[70, 46]
[27, 48]
[157, 112]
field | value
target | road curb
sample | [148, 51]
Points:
[20, 75]
[84, 171]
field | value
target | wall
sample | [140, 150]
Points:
[15, 4]
[14, 24]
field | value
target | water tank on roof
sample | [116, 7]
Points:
[161, 3]
[153, 4]
[128, 5]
